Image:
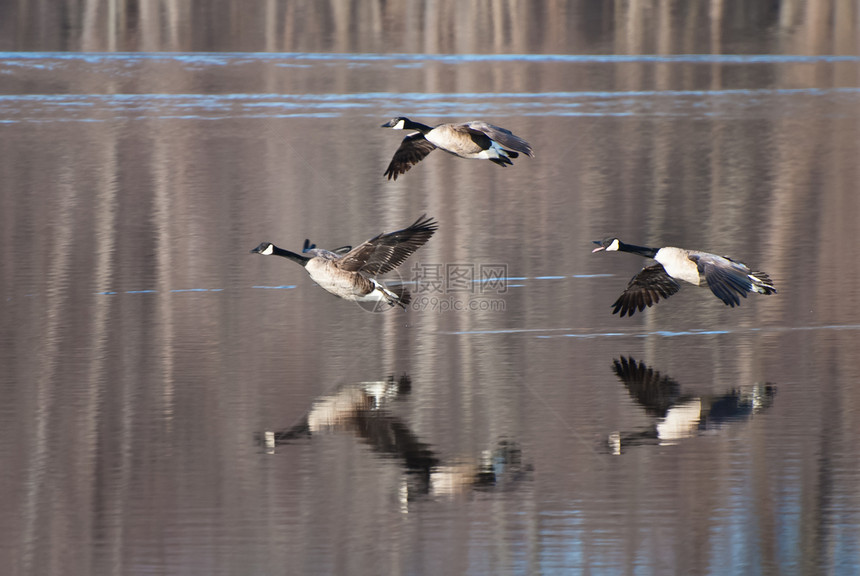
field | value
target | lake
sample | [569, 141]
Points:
[172, 404]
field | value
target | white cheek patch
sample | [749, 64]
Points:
[400, 125]
[614, 245]
[268, 251]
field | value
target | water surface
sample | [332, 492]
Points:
[173, 404]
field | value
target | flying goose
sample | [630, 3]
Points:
[726, 278]
[475, 139]
[348, 272]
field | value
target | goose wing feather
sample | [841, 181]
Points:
[645, 289]
[727, 278]
[385, 252]
[312, 251]
[413, 149]
[504, 137]
[321, 253]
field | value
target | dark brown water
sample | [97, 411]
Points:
[171, 404]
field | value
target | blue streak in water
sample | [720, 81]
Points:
[366, 99]
[592, 275]
[686, 332]
[269, 106]
[664, 333]
[405, 282]
[223, 58]
[112, 292]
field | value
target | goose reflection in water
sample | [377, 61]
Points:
[363, 409]
[680, 415]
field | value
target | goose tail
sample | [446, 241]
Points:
[502, 161]
[762, 283]
[395, 295]
[403, 296]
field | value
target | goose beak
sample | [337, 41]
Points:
[387, 125]
[599, 247]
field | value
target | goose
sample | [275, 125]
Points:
[348, 272]
[475, 139]
[728, 279]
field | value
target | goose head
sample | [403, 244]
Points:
[397, 123]
[266, 249]
[610, 244]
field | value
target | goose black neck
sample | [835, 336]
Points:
[640, 250]
[412, 125]
[303, 260]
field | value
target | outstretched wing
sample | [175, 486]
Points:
[504, 137]
[645, 289]
[412, 150]
[726, 278]
[385, 252]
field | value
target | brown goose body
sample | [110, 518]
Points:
[345, 284]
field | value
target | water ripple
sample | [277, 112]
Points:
[549, 333]
[17, 108]
[42, 59]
